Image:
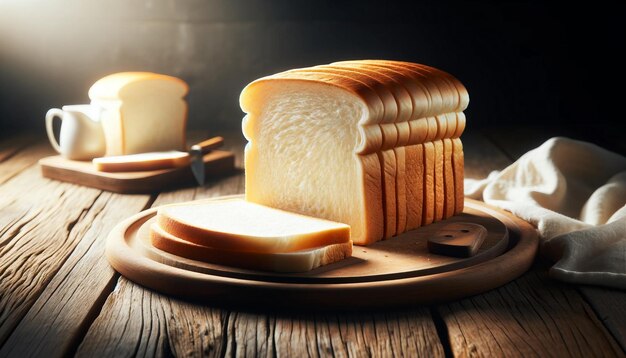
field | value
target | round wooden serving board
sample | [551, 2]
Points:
[390, 273]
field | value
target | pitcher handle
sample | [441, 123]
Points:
[50, 115]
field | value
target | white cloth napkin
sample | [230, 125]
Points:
[574, 193]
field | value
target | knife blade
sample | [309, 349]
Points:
[197, 152]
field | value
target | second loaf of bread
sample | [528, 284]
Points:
[373, 144]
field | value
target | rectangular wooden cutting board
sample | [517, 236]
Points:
[216, 163]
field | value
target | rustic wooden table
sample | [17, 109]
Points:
[59, 296]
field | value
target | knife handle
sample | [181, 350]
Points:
[207, 145]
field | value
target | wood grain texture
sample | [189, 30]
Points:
[532, 316]
[21, 155]
[409, 334]
[11, 145]
[37, 218]
[130, 324]
[69, 303]
[138, 322]
[398, 334]
[610, 306]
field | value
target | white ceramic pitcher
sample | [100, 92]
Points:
[81, 136]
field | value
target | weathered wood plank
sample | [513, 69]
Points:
[22, 156]
[136, 315]
[10, 145]
[196, 330]
[531, 316]
[188, 329]
[610, 306]
[406, 333]
[61, 315]
[37, 217]
[409, 333]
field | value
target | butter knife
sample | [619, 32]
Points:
[197, 153]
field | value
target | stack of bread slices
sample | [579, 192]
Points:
[238, 233]
[371, 143]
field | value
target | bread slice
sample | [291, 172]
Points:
[142, 162]
[449, 192]
[297, 261]
[239, 225]
[415, 185]
[428, 202]
[438, 179]
[415, 169]
[458, 165]
[442, 128]
[401, 204]
[313, 142]
[388, 161]
[428, 212]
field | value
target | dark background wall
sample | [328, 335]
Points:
[522, 62]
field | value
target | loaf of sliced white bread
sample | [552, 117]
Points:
[295, 261]
[141, 112]
[373, 144]
[240, 233]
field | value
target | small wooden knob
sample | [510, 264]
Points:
[458, 239]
